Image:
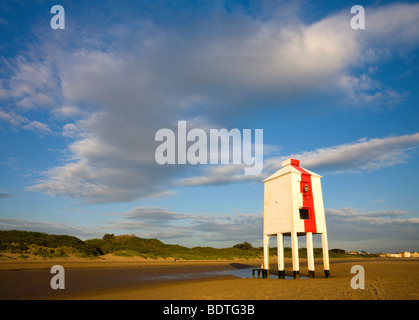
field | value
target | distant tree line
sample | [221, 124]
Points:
[44, 244]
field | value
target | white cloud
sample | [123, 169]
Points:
[18, 121]
[364, 91]
[385, 231]
[373, 217]
[3, 92]
[71, 130]
[390, 30]
[158, 214]
[363, 155]
[36, 125]
[122, 90]
[33, 83]
[366, 154]
[393, 25]
[51, 227]
[69, 112]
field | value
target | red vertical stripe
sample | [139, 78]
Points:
[308, 203]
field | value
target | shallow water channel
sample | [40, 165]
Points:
[239, 273]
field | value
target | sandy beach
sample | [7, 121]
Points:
[117, 278]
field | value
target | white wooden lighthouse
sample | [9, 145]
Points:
[293, 206]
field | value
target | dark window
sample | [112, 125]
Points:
[304, 214]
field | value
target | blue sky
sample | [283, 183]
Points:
[79, 109]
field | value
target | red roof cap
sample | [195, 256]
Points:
[295, 162]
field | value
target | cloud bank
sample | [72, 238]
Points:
[386, 231]
[362, 155]
[110, 90]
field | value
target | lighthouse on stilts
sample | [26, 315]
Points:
[293, 206]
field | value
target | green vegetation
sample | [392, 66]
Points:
[44, 245]
[49, 245]
[130, 245]
[244, 246]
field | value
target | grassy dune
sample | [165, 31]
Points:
[49, 246]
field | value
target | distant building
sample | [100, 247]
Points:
[404, 254]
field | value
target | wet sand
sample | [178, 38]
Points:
[140, 279]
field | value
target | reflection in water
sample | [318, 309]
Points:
[240, 273]
[247, 273]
